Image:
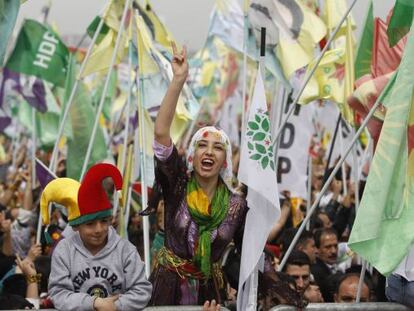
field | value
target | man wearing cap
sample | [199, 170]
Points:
[93, 269]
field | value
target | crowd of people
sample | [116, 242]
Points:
[197, 212]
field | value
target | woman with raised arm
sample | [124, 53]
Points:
[202, 213]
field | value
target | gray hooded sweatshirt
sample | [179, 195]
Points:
[117, 269]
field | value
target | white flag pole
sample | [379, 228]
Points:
[142, 153]
[309, 76]
[361, 281]
[126, 133]
[326, 185]
[34, 143]
[72, 96]
[108, 78]
[308, 203]
[244, 69]
[254, 276]
[39, 223]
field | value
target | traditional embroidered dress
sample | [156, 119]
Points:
[180, 277]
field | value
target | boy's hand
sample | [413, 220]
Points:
[105, 304]
[34, 252]
[211, 306]
[5, 226]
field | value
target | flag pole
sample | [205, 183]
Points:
[108, 78]
[244, 86]
[356, 175]
[308, 203]
[343, 169]
[34, 143]
[361, 281]
[126, 134]
[127, 121]
[285, 98]
[39, 222]
[326, 185]
[364, 263]
[331, 147]
[253, 278]
[72, 96]
[142, 153]
[309, 76]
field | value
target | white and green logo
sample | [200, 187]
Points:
[259, 142]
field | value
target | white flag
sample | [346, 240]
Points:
[227, 23]
[257, 171]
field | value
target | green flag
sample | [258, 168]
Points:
[383, 229]
[109, 96]
[400, 21]
[81, 116]
[363, 58]
[47, 123]
[92, 28]
[39, 52]
[8, 15]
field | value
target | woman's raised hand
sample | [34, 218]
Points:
[179, 63]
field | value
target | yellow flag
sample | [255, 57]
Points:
[101, 55]
[152, 62]
[149, 133]
[126, 181]
[297, 214]
[333, 11]
[346, 111]
[297, 53]
[330, 76]
[159, 32]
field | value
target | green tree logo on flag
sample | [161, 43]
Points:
[39, 52]
[259, 143]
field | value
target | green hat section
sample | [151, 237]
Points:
[91, 217]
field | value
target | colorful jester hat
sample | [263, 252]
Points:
[85, 201]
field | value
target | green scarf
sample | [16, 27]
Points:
[208, 217]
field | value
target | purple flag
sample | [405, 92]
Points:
[33, 91]
[43, 174]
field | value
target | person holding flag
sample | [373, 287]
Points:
[202, 212]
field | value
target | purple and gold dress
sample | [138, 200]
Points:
[176, 280]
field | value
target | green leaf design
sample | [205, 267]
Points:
[253, 125]
[256, 156]
[265, 124]
[257, 118]
[259, 136]
[250, 146]
[265, 162]
[260, 148]
[249, 133]
[272, 165]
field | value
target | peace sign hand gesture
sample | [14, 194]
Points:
[179, 63]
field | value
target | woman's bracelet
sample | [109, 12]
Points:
[35, 278]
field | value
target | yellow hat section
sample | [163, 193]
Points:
[63, 191]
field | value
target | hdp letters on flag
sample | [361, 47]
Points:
[39, 52]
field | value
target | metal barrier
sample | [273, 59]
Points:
[179, 308]
[364, 306]
[163, 308]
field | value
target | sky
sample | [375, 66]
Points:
[186, 19]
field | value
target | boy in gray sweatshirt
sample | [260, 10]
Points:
[93, 269]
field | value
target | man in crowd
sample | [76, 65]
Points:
[327, 244]
[347, 287]
[298, 267]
